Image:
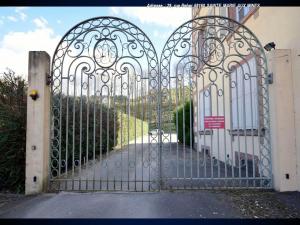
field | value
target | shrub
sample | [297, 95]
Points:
[130, 127]
[108, 136]
[184, 134]
[104, 136]
[13, 102]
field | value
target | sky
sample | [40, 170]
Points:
[24, 29]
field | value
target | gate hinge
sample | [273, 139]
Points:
[48, 79]
[270, 78]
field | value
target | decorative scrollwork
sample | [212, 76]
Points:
[99, 57]
[207, 51]
[106, 57]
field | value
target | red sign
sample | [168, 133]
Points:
[214, 122]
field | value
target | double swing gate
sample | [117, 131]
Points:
[125, 120]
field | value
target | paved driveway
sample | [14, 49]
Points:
[202, 204]
[136, 168]
[178, 204]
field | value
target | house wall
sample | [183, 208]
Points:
[280, 25]
[220, 143]
[283, 121]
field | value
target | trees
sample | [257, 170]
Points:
[185, 123]
[13, 102]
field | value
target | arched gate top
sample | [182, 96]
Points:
[104, 42]
[216, 32]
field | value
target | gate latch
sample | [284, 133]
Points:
[270, 78]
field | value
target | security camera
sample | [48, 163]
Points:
[269, 46]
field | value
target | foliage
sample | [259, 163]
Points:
[185, 123]
[174, 98]
[142, 107]
[130, 127]
[93, 131]
[97, 129]
[13, 102]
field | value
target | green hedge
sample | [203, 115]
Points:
[184, 134]
[13, 106]
[134, 128]
[107, 127]
[101, 141]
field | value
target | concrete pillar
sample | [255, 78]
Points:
[282, 121]
[38, 124]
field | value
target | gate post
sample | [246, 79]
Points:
[282, 121]
[38, 123]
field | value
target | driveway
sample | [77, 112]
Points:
[165, 204]
[136, 168]
[202, 204]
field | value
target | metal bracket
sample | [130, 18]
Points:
[270, 78]
[48, 79]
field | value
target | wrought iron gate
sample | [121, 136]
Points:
[213, 70]
[122, 120]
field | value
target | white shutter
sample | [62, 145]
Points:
[251, 95]
[204, 107]
[201, 111]
[223, 32]
[211, 11]
[223, 11]
[235, 98]
[245, 114]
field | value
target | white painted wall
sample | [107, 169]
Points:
[282, 26]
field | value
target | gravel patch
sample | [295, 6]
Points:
[265, 203]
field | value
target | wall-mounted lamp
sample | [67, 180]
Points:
[268, 47]
[34, 94]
